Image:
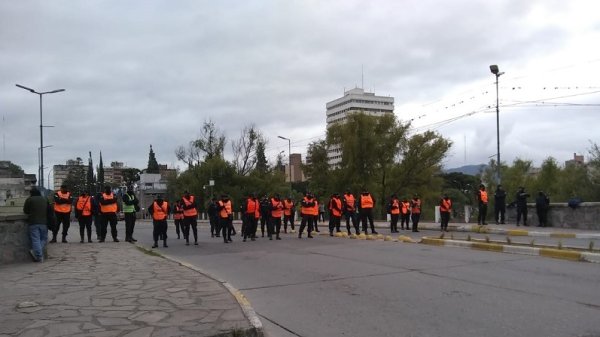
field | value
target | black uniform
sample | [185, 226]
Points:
[159, 221]
[130, 199]
[522, 205]
[265, 214]
[213, 217]
[62, 217]
[307, 219]
[542, 204]
[108, 217]
[189, 203]
[499, 204]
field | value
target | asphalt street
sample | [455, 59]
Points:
[341, 287]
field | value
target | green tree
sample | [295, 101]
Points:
[100, 171]
[211, 141]
[130, 176]
[262, 165]
[548, 179]
[76, 178]
[90, 177]
[152, 162]
[316, 169]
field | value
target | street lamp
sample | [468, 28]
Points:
[494, 69]
[41, 167]
[289, 158]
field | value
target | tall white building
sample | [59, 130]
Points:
[354, 100]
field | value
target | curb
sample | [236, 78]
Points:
[251, 316]
[534, 251]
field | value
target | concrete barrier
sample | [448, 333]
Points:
[560, 215]
[14, 239]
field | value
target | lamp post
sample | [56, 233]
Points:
[41, 166]
[289, 158]
[494, 69]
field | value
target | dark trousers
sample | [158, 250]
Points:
[274, 226]
[542, 217]
[445, 219]
[394, 222]
[499, 214]
[190, 221]
[482, 214]
[307, 220]
[159, 231]
[351, 216]
[334, 223]
[415, 217]
[85, 222]
[129, 225]
[286, 219]
[522, 212]
[214, 225]
[65, 219]
[367, 214]
[264, 220]
[179, 227]
[404, 218]
[106, 219]
[250, 227]
[226, 225]
[97, 224]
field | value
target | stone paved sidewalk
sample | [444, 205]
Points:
[114, 289]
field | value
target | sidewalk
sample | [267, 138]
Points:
[115, 289]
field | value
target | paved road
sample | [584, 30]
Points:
[340, 287]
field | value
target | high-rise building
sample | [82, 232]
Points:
[353, 101]
[60, 172]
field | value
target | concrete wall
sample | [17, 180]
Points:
[586, 216]
[14, 239]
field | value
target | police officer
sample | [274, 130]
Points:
[289, 210]
[335, 213]
[542, 204]
[226, 217]
[62, 210]
[251, 214]
[83, 210]
[394, 211]
[365, 209]
[482, 197]
[190, 217]
[415, 212]
[499, 205]
[178, 218]
[521, 199]
[404, 213]
[276, 213]
[445, 209]
[265, 212]
[159, 210]
[306, 211]
[213, 217]
[108, 212]
[349, 203]
[131, 205]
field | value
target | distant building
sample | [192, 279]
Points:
[296, 173]
[353, 101]
[577, 160]
[60, 172]
[14, 185]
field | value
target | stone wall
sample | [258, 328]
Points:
[14, 239]
[560, 215]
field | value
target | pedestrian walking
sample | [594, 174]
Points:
[38, 210]
[131, 205]
[445, 210]
[62, 210]
[159, 210]
[83, 213]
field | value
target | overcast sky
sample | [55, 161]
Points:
[151, 72]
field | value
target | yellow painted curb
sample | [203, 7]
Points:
[404, 238]
[563, 235]
[344, 234]
[429, 241]
[560, 254]
[379, 236]
[517, 232]
[362, 236]
[338, 235]
[371, 237]
[487, 246]
[353, 236]
[388, 238]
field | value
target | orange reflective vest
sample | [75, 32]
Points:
[483, 196]
[288, 207]
[315, 209]
[178, 214]
[366, 201]
[349, 202]
[445, 205]
[338, 203]
[159, 212]
[405, 207]
[395, 207]
[63, 208]
[276, 208]
[110, 208]
[188, 202]
[226, 209]
[416, 206]
[251, 206]
[308, 210]
[84, 205]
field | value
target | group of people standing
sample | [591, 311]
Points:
[542, 204]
